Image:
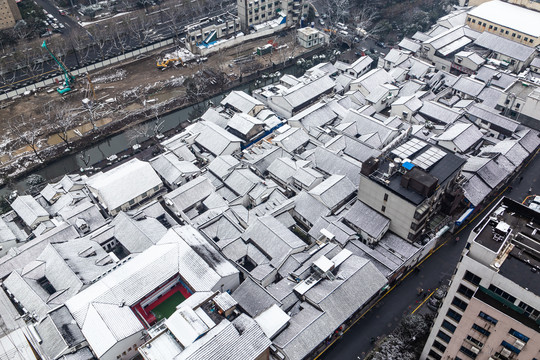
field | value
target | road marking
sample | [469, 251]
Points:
[426, 299]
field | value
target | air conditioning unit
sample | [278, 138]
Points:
[475, 350]
[519, 344]
[505, 352]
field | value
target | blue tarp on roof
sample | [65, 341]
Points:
[408, 165]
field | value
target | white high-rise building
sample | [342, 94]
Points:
[492, 309]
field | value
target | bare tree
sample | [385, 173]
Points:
[120, 36]
[100, 37]
[63, 120]
[364, 19]
[137, 132]
[158, 124]
[29, 135]
[174, 18]
[140, 27]
[81, 44]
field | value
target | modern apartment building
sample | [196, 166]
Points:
[254, 12]
[411, 187]
[492, 309]
[9, 14]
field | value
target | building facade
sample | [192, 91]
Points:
[9, 14]
[492, 309]
[254, 12]
[510, 21]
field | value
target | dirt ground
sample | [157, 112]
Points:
[139, 72]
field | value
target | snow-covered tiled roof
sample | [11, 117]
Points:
[126, 182]
[28, 209]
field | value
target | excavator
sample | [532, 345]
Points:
[69, 79]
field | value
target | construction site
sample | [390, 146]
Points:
[54, 121]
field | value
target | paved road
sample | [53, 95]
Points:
[69, 23]
[402, 299]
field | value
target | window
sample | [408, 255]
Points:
[118, 356]
[529, 310]
[484, 25]
[531, 41]
[481, 330]
[474, 341]
[129, 349]
[513, 34]
[385, 197]
[502, 293]
[437, 345]
[526, 38]
[467, 352]
[459, 303]
[510, 347]
[132, 201]
[434, 355]
[507, 32]
[518, 335]
[470, 277]
[445, 324]
[444, 336]
[453, 315]
[495, 28]
[473, 21]
[502, 30]
[519, 36]
[383, 209]
[465, 291]
[491, 26]
[488, 318]
[469, 19]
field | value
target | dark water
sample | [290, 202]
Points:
[120, 142]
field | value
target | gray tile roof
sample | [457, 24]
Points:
[124, 183]
[367, 219]
[221, 166]
[462, 135]
[241, 101]
[242, 181]
[191, 193]
[99, 310]
[492, 116]
[28, 209]
[85, 257]
[530, 140]
[333, 191]
[291, 139]
[302, 94]
[504, 46]
[253, 298]
[240, 339]
[274, 239]
[171, 168]
[439, 112]
[137, 235]
[316, 115]
[331, 163]
[476, 190]
[469, 86]
[308, 207]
